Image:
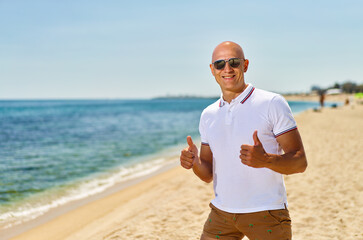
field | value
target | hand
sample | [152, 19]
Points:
[189, 154]
[254, 156]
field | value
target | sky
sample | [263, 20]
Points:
[142, 49]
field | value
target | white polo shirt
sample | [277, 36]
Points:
[225, 127]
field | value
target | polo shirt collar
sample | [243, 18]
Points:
[242, 98]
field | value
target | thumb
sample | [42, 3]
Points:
[256, 139]
[190, 141]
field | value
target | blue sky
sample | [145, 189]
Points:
[143, 49]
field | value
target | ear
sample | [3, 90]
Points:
[211, 68]
[246, 62]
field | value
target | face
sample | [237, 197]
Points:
[231, 80]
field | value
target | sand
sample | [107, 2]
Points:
[325, 202]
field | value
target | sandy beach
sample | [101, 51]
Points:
[325, 202]
[315, 97]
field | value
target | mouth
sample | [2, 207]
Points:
[228, 77]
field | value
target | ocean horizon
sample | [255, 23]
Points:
[56, 151]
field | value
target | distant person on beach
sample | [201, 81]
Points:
[249, 140]
[322, 98]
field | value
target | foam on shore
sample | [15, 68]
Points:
[41, 203]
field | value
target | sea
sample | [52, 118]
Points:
[53, 152]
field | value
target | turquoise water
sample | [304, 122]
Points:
[53, 152]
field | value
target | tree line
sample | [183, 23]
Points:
[346, 87]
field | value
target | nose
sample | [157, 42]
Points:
[228, 68]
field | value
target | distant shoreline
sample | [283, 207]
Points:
[183, 97]
[314, 97]
[289, 97]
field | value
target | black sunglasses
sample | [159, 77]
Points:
[233, 62]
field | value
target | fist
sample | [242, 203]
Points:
[189, 154]
[254, 156]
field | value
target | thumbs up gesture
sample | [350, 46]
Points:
[254, 156]
[189, 154]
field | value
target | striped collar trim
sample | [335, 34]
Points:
[221, 102]
[248, 95]
[240, 98]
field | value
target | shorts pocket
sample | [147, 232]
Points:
[282, 216]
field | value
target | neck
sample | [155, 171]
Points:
[228, 96]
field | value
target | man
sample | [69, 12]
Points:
[243, 135]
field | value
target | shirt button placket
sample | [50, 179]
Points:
[229, 116]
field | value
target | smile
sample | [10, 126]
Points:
[228, 77]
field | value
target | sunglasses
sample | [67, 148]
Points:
[233, 62]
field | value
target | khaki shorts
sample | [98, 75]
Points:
[264, 225]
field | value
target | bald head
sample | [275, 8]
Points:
[227, 46]
[230, 74]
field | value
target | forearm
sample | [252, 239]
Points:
[288, 163]
[204, 170]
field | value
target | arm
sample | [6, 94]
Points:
[292, 161]
[203, 165]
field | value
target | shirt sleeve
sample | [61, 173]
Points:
[202, 130]
[281, 116]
